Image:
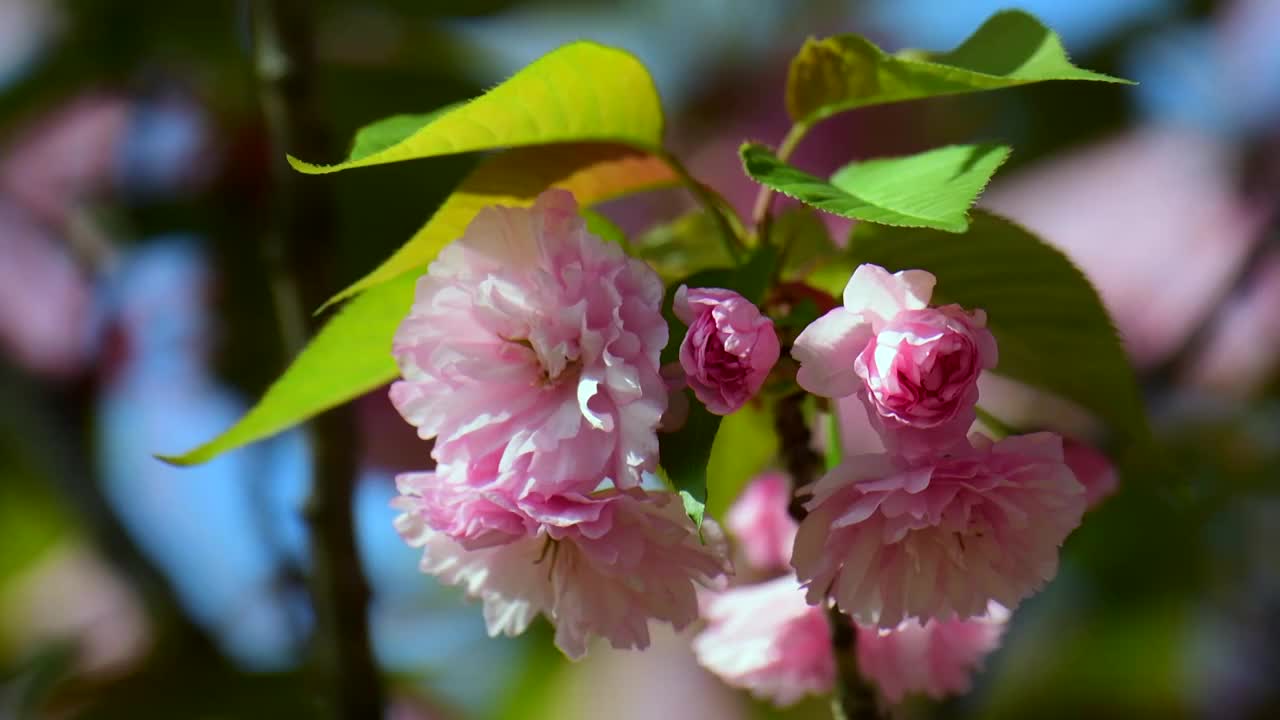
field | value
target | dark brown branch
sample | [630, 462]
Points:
[854, 698]
[299, 247]
[801, 461]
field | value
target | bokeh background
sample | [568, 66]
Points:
[136, 316]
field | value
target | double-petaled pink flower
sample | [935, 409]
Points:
[531, 354]
[915, 367]
[768, 639]
[602, 565]
[890, 538]
[729, 348]
[937, 658]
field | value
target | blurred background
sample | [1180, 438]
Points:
[137, 210]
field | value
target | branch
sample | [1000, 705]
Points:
[298, 250]
[801, 461]
[853, 698]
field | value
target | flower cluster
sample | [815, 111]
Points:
[942, 524]
[766, 638]
[531, 358]
[926, 547]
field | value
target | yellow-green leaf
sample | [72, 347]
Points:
[594, 173]
[581, 92]
[350, 356]
[843, 72]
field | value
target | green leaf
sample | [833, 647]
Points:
[378, 136]
[684, 455]
[683, 246]
[603, 228]
[594, 173]
[350, 356]
[806, 242]
[843, 72]
[745, 446]
[581, 92]
[1052, 329]
[933, 189]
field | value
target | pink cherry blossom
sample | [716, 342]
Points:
[603, 564]
[767, 639]
[1094, 471]
[761, 524]
[937, 658]
[916, 368]
[531, 354]
[474, 518]
[729, 348]
[889, 537]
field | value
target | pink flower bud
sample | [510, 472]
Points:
[729, 349]
[921, 369]
[914, 367]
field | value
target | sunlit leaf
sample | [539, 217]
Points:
[350, 356]
[933, 189]
[581, 92]
[1052, 329]
[378, 136]
[834, 74]
[593, 173]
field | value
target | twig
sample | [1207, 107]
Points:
[854, 698]
[764, 197]
[730, 226]
[298, 249]
[800, 460]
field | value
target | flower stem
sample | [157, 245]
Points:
[854, 698]
[731, 228]
[801, 461]
[298, 247]
[764, 198]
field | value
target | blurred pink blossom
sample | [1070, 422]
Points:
[531, 354]
[761, 524]
[71, 594]
[890, 538]
[937, 658]
[767, 639]
[66, 157]
[729, 348]
[1244, 347]
[45, 302]
[600, 565]
[1151, 217]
